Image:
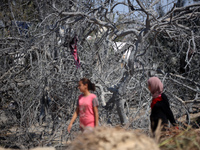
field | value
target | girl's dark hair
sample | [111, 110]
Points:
[91, 86]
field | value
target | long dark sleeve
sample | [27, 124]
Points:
[168, 111]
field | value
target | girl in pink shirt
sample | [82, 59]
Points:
[87, 106]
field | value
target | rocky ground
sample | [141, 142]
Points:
[102, 138]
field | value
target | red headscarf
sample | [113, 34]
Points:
[155, 100]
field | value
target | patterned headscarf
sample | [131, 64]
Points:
[156, 86]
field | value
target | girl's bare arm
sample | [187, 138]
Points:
[73, 119]
[96, 116]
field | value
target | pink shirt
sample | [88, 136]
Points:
[86, 111]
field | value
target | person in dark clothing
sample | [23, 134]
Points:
[45, 103]
[160, 109]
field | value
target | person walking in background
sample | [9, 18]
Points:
[45, 103]
[160, 109]
[87, 106]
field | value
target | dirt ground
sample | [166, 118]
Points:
[102, 138]
[107, 138]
